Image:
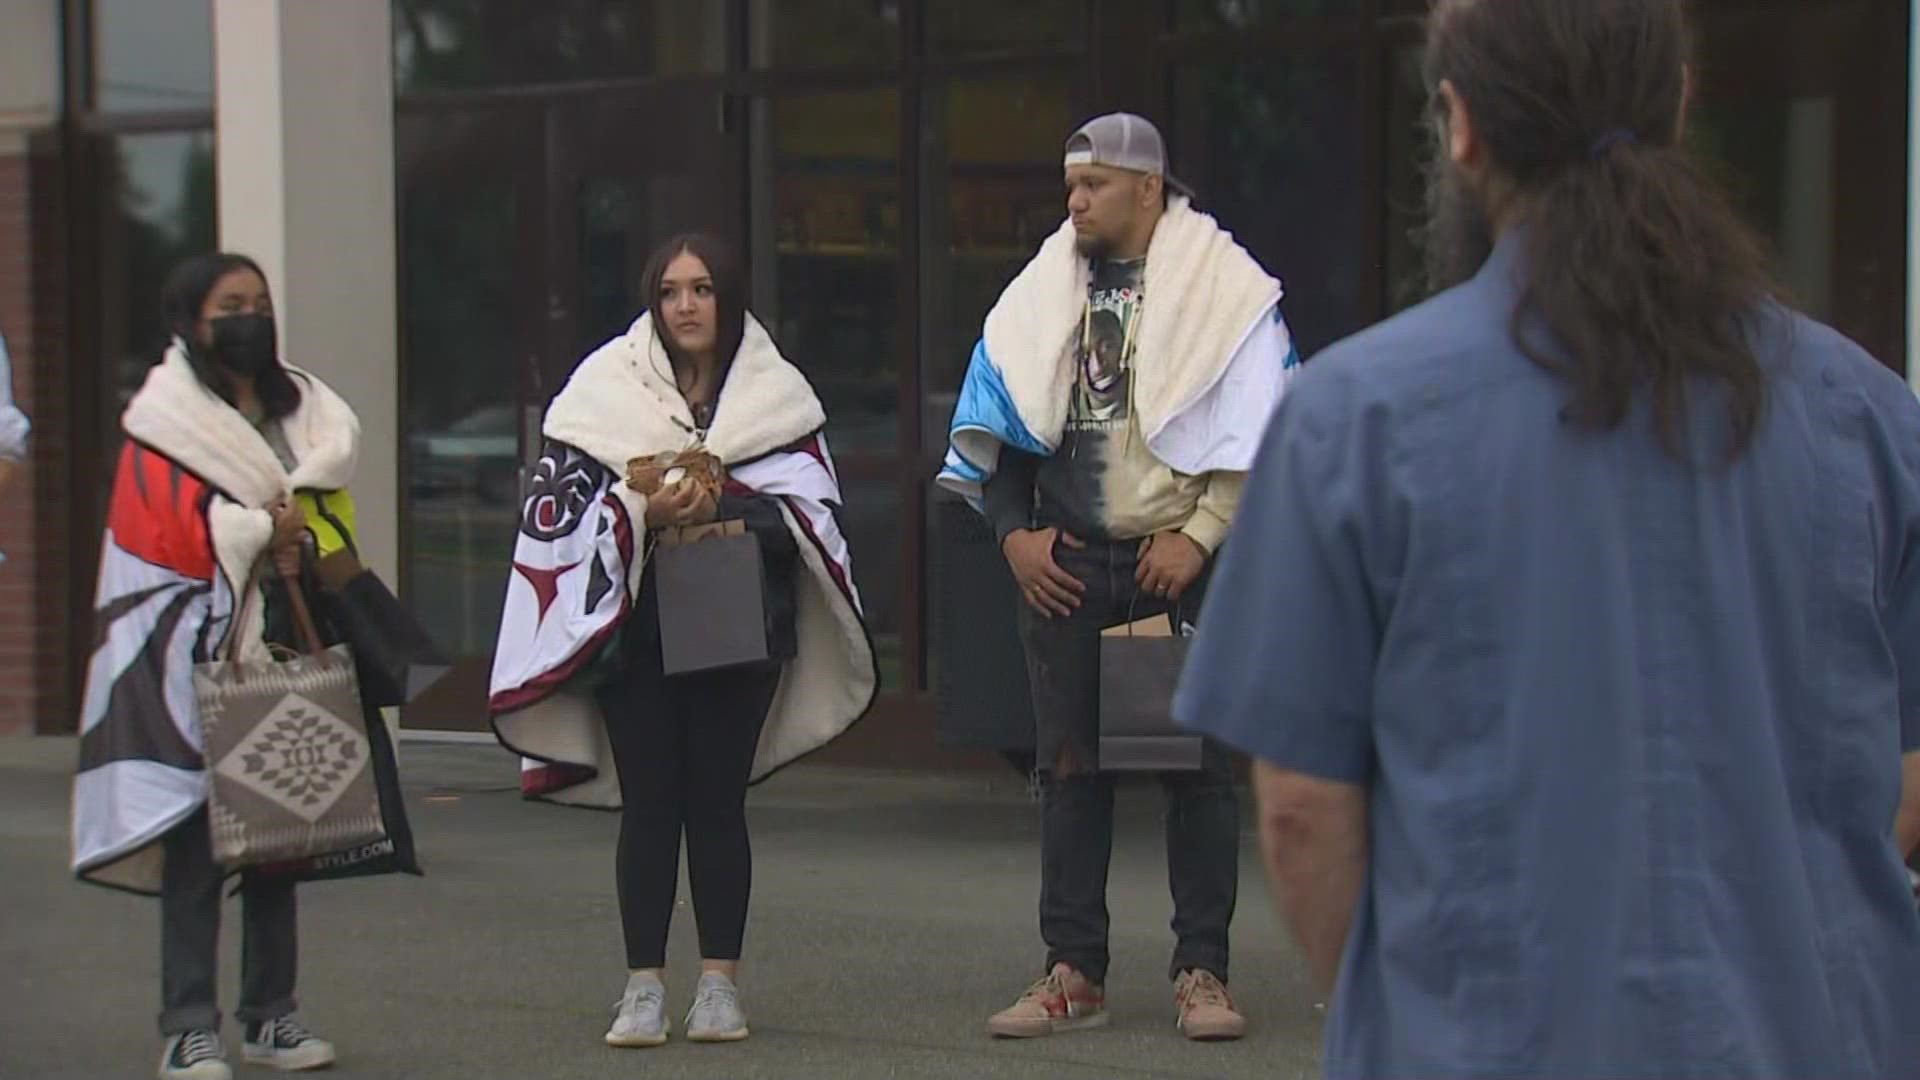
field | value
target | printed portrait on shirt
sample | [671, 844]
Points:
[1105, 349]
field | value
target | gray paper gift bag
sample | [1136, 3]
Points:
[713, 605]
[1140, 664]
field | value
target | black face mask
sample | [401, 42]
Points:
[244, 344]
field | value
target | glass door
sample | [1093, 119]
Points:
[827, 266]
[1792, 104]
[524, 232]
[624, 174]
[470, 269]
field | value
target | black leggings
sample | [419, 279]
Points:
[684, 747]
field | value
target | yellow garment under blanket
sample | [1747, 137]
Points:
[330, 517]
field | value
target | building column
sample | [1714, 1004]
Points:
[304, 117]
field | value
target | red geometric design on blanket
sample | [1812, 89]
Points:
[545, 582]
[563, 599]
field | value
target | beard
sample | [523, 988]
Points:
[1093, 247]
[1458, 233]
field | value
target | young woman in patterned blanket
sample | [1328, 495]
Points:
[581, 689]
[224, 443]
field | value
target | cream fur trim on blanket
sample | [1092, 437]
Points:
[622, 402]
[1204, 293]
[175, 414]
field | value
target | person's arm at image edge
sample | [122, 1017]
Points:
[1313, 843]
[13, 424]
[1906, 826]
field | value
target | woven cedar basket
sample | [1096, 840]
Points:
[648, 475]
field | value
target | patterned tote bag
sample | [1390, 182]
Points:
[286, 743]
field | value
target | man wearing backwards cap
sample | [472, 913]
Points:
[1105, 427]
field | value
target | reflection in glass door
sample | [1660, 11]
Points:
[624, 174]
[467, 285]
[1789, 106]
[1273, 148]
[826, 271]
[524, 231]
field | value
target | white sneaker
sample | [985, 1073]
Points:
[195, 1055]
[716, 1016]
[286, 1045]
[640, 1019]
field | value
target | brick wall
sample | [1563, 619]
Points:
[35, 666]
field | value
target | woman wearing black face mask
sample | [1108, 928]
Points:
[223, 446]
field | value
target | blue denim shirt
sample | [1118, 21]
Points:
[1630, 729]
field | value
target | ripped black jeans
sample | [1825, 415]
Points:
[1076, 805]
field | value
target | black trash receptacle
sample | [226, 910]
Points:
[985, 702]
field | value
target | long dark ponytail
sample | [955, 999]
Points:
[1639, 274]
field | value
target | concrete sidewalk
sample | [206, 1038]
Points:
[892, 914]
